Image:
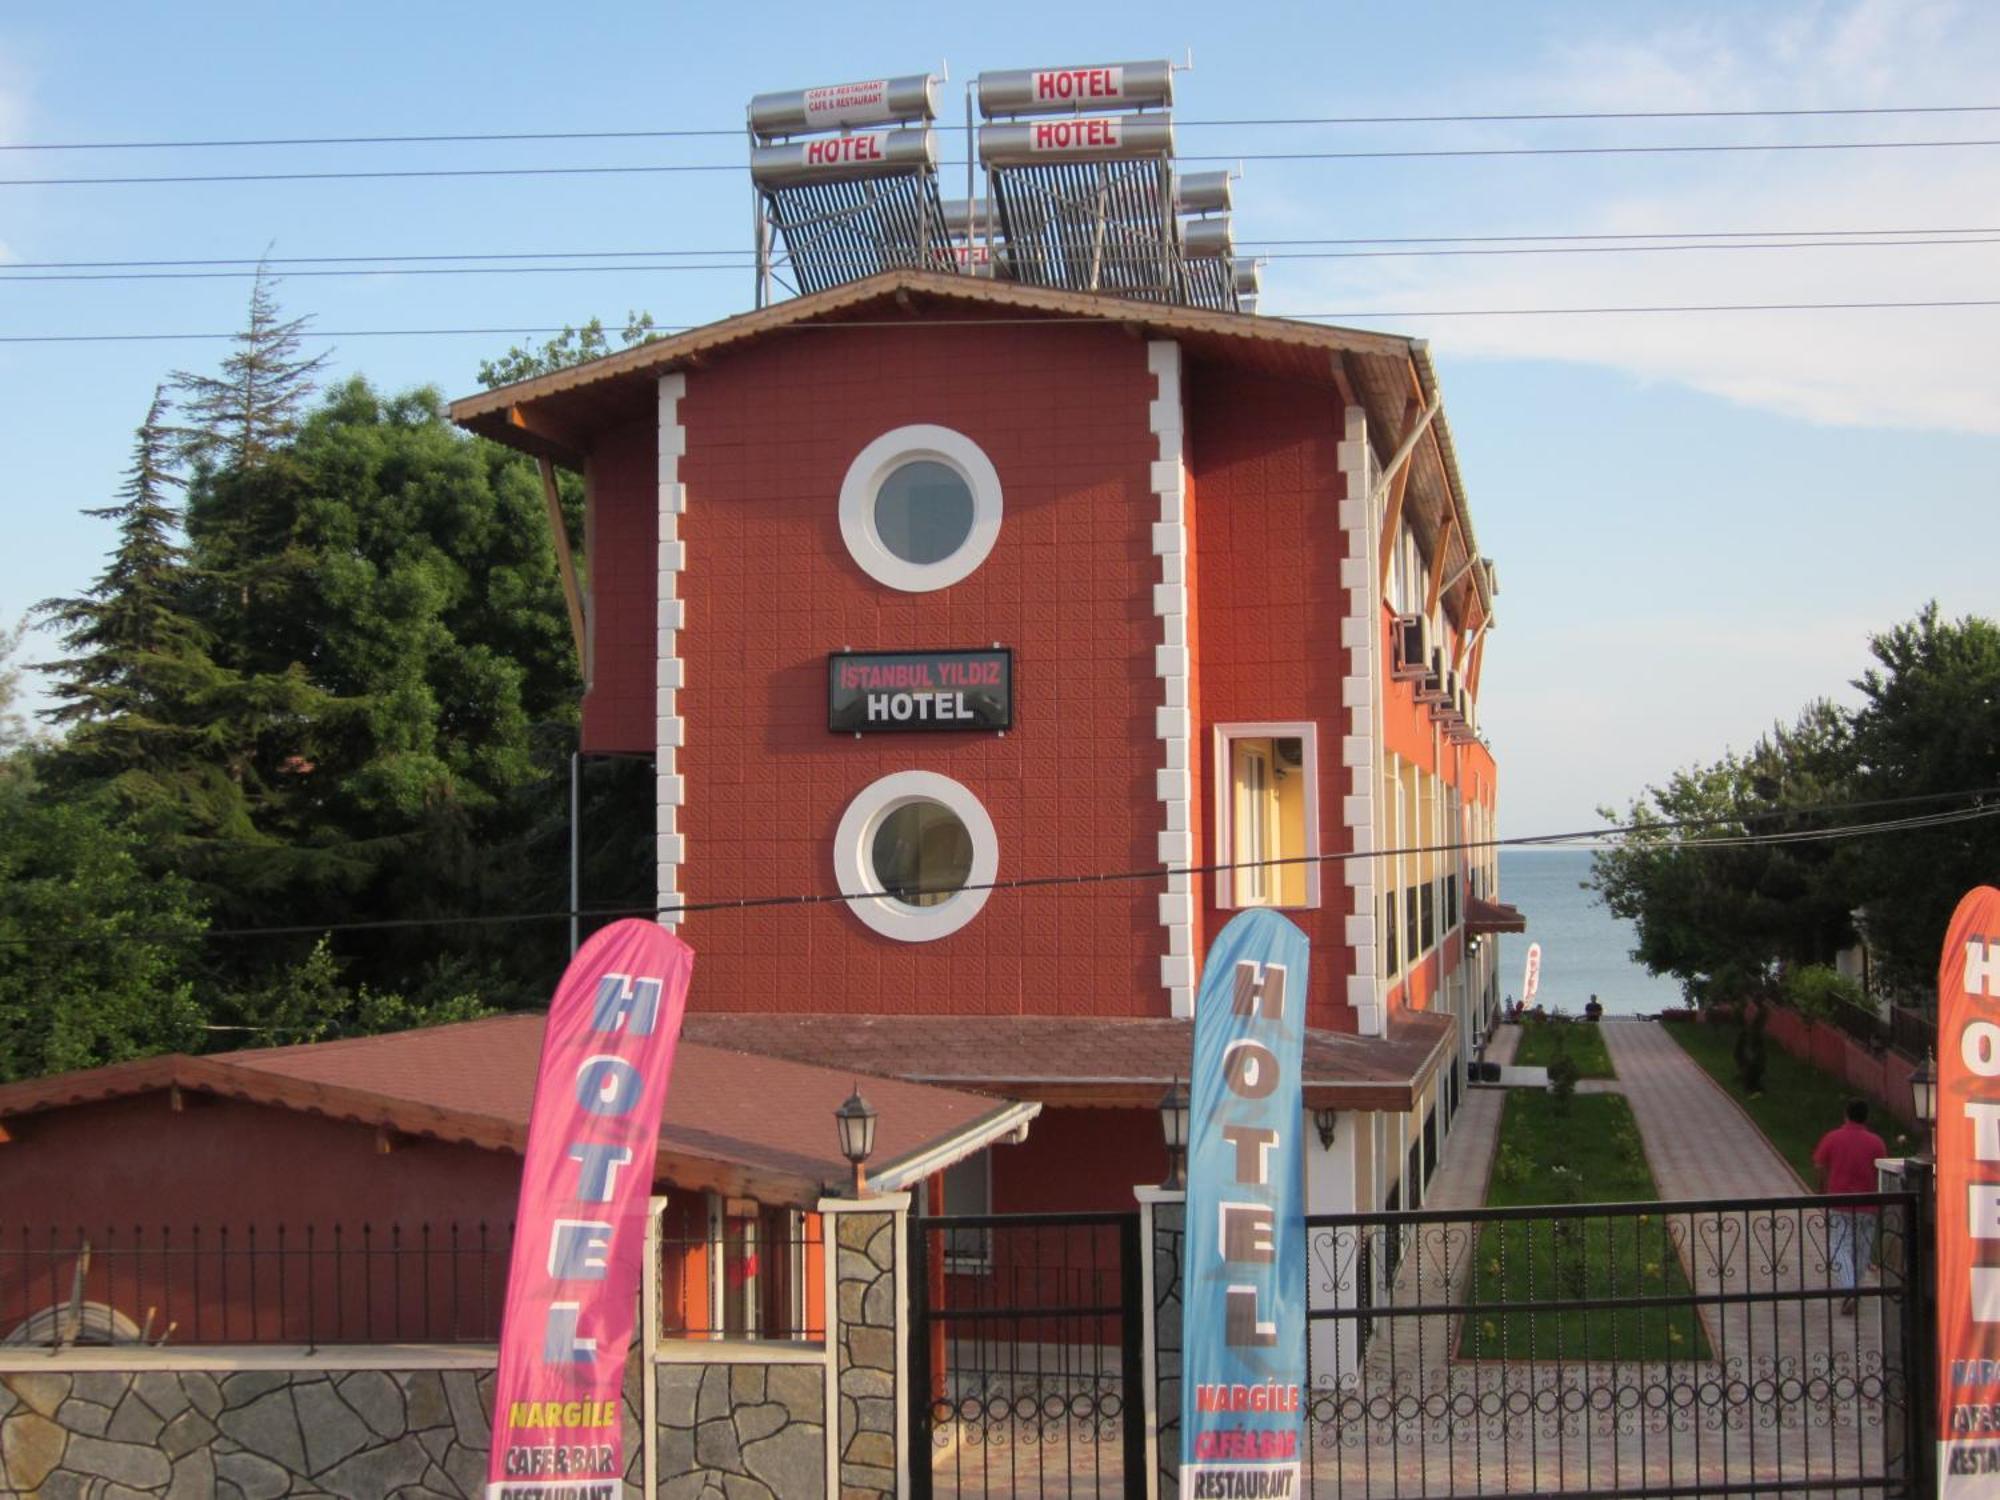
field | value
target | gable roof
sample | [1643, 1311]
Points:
[558, 415]
[753, 1126]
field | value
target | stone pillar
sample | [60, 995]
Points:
[867, 1309]
[1163, 1232]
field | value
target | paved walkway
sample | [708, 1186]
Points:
[1791, 1391]
[1460, 1179]
[1699, 1144]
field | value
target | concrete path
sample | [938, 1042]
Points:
[1460, 1179]
[1699, 1144]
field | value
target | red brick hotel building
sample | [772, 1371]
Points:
[933, 591]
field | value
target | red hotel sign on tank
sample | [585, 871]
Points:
[579, 1234]
[1968, 1200]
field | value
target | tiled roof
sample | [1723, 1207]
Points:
[1069, 1059]
[758, 1126]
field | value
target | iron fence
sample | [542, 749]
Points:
[749, 1272]
[1605, 1349]
[1025, 1355]
[249, 1284]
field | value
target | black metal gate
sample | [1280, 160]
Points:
[1026, 1355]
[1689, 1348]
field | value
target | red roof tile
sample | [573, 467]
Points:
[756, 1125]
[1076, 1059]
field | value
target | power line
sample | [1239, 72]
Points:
[1444, 239]
[466, 137]
[645, 169]
[750, 265]
[1976, 812]
[1499, 239]
[939, 323]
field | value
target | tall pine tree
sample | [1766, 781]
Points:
[243, 415]
[132, 693]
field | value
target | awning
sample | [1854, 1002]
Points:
[1484, 918]
[1076, 1060]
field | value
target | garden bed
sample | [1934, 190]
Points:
[1551, 1153]
[1542, 1042]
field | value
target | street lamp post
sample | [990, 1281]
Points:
[855, 1120]
[1174, 1128]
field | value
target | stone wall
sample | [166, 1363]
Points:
[866, 1352]
[256, 1434]
[742, 1432]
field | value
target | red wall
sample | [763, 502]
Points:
[623, 536]
[130, 1172]
[1266, 619]
[1079, 1159]
[1884, 1076]
[770, 589]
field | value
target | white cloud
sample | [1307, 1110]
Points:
[1896, 368]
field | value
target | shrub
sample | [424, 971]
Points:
[1563, 1073]
[1819, 992]
[1750, 1050]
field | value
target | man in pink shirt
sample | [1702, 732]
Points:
[1846, 1157]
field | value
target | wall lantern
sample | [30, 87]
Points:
[1923, 1091]
[1174, 1127]
[856, 1121]
[1324, 1121]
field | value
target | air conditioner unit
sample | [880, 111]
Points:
[1412, 634]
[1289, 752]
[1431, 687]
[1449, 710]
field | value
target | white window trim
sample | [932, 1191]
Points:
[854, 872]
[873, 464]
[1303, 730]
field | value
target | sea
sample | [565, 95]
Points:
[1585, 950]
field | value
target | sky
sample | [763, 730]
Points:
[1696, 518]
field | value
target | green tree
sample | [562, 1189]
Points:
[1929, 724]
[1724, 916]
[310, 1001]
[573, 346]
[137, 695]
[241, 416]
[96, 949]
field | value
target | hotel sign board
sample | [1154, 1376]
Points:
[1243, 1350]
[1968, 1200]
[904, 692]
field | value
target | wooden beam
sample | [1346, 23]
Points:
[1439, 549]
[1478, 659]
[1414, 421]
[544, 441]
[6, 1135]
[174, 1101]
[559, 533]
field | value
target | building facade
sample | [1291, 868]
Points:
[994, 645]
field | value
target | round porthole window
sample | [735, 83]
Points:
[906, 851]
[920, 508]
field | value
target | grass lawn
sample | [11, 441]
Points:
[1799, 1103]
[1542, 1040]
[1549, 1155]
